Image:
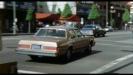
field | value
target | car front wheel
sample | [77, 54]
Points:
[89, 50]
[103, 35]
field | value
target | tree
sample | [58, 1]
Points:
[53, 7]
[94, 13]
[29, 17]
[67, 11]
[59, 11]
[126, 16]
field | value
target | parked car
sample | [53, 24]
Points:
[56, 41]
[93, 30]
[108, 29]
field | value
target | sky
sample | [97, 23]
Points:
[61, 6]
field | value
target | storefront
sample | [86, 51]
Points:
[21, 11]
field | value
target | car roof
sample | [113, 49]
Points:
[59, 27]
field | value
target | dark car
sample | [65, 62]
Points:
[93, 29]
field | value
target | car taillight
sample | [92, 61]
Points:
[50, 48]
[23, 46]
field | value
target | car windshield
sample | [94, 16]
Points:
[51, 32]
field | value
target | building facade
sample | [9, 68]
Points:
[108, 10]
[21, 11]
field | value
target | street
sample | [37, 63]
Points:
[111, 54]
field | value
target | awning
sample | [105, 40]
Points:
[55, 17]
[47, 16]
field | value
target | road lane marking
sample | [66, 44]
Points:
[10, 38]
[111, 64]
[29, 72]
[114, 45]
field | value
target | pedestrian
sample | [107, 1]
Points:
[125, 27]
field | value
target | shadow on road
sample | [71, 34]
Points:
[51, 60]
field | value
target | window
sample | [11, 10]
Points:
[78, 33]
[72, 34]
[51, 32]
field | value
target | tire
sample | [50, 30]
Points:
[89, 50]
[33, 57]
[103, 35]
[67, 57]
[95, 35]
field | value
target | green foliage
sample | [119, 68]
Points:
[126, 16]
[53, 8]
[67, 11]
[40, 3]
[29, 15]
[59, 11]
[94, 13]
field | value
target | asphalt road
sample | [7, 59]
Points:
[111, 54]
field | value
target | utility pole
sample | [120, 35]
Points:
[2, 6]
[0, 31]
[107, 22]
[14, 18]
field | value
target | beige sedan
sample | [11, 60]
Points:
[56, 41]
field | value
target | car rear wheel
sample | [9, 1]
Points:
[67, 57]
[33, 57]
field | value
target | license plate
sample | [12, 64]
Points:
[36, 46]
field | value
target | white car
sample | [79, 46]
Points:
[87, 32]
[108, 29]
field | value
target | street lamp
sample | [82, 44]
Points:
[14, 18]
[107, 14]
[112, 11]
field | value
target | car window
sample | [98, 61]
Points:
[72, 34]
[51, 32]
[87, 26]
[78, 33]
[98, 27]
